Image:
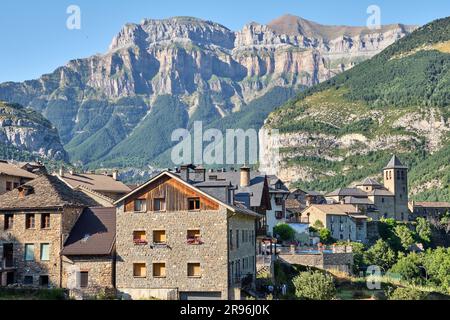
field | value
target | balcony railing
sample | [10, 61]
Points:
[195, 241]
[140, 242]
[261, 231]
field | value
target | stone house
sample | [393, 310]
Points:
[11, 176]
[35, 220]
[344, 221]
[89, 253]
[429, 210]
[278, 194]
[179, 237]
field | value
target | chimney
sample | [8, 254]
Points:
[245, 177]
[61, 172]
[115, 175]
[199, 174]
[184, 172]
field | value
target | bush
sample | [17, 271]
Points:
[325, 236]
[284, 232]
[409, 268]
[318, 225]
[423, 230]
[314, 286]
[405, 235]
[380, 254]
[407, 294]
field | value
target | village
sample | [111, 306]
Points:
[187, 233]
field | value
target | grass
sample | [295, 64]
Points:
[32, 294]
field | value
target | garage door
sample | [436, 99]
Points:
[200, 295]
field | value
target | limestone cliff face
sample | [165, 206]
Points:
[26, 130]
[195, 61]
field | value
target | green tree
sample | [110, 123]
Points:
[405, 235]
[380, 254]
[437, 265]
[325, 236]
[407, 294]
[409, 268]
[318, 225]
[314, 286]
[284, 232]
[423, 229]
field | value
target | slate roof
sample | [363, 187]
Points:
[294, 206]
[46, 192]
[344, 192]
[12, 170]
[95, 182]
[256, 187]
[380, 192]
[93, 233]
[369, 182]
[353, 200]
[395, 163]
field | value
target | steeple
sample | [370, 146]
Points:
[395, 163]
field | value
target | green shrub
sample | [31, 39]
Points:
[284, 232]
[407, 294]
[314, 286]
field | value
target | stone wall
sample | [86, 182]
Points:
[333, 261]
[100, 273]
[212, 254]
[60, 224]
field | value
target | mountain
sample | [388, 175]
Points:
[25, 134]
[118, 109]
[347, 128]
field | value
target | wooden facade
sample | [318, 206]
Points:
[175, 194]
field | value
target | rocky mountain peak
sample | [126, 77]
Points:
[153, 31]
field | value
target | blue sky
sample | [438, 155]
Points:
[35, 40]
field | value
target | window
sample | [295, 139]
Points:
[29, 252]
[140, 237]
[398, 175]
[341, 227]
[9, 185]
[29, 221]
[194, 270]
[28, 280]
[194, 237]
[231, 239]
[84, 279]
[140, 205]
[159, 237]
[243, 236]
[45, 252]
[194, 204]
[9, 221]
[139, 270]
[279, 201]
[237, 239]
[159, 204]
[45, 221]
[159, 270]
[43, 281]
[16, 185]
[382, 200]
[279, 215]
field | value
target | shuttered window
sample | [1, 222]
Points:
[139, 270]
[159, 270]
[159, 237]
[84, 279]
[140, 205]
[194, 270]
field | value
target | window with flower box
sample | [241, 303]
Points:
[194, 237]
[140, 238]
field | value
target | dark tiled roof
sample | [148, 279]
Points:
[93, 234]
[294, 206]
[380, 192]
[353, 200]
[256, 187]
[369, 182]
[395, 163]
[344, 192]
[46, 192]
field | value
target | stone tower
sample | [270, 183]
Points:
[396, 181]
